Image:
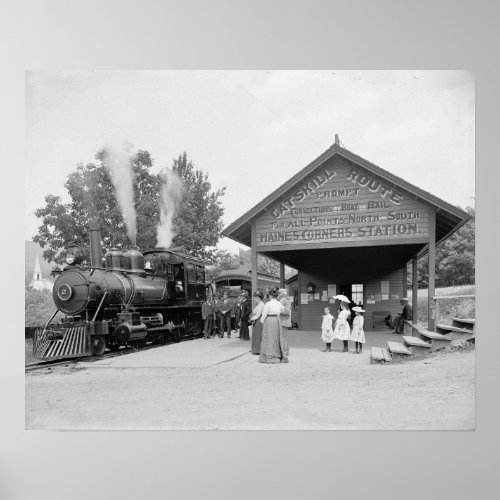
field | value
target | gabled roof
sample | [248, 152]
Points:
[448, 217]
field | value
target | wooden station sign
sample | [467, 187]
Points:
[341, 202]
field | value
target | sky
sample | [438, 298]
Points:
[252, 130]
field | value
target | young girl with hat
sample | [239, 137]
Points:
[358, 334]
[327, 330]
[342, 329]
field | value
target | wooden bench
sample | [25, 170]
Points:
[379, 316]
[416, 344]
[464, 321]
[467, 325]
[451, 328]
[456, 333]
[398, 349]
[380, 355]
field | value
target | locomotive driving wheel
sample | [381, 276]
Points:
[176, 334]
[98, 345]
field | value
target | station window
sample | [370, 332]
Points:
[357, 294]
[170, 272]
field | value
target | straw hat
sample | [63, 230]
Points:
[358, 309]
[342, 298]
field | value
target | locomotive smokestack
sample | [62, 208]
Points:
[95, 244]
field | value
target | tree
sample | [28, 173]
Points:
[224, 261]
[38, 307]
[228, 261]
[199, 218]
[92, 197]
[455, 258]
[264, 264]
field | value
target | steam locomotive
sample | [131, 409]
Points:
[132, 299]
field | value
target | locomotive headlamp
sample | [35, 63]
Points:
[74, 255]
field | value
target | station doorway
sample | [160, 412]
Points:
[354, 292]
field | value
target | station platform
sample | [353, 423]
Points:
[210, 352]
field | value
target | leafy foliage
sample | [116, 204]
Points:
[455, 258]
[38, 307]
[92, 197]
[224, 261]
[199, 218]
[227, 261]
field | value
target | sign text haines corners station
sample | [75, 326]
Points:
[340, 202]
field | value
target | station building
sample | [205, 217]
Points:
[351, 228]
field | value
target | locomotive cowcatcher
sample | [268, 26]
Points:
[132, 299]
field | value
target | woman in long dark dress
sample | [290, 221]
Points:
[285, 319]
[271, 347]
[257, 325]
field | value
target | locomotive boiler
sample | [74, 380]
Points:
[129, 299]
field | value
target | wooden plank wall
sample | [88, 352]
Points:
[357, 214]
[395, 289]
[311, 313]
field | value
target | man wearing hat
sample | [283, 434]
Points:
[399, 323]
[246, 309]
[207, 313]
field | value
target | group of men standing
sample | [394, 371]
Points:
[223, 314]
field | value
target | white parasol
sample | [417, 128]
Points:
[342, 298]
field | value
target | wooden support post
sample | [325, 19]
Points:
[299, 279]
[414, 288]
[282, 275]
[254, 258]
[432, 269]
[405, 280]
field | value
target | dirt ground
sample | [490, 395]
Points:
[218, 384]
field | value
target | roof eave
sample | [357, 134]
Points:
[428, 198]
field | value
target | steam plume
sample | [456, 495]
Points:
[171, 193]
[119, 164]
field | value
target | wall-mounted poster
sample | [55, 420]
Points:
[370, 298]
[311, 297]
[324, 296]
[385, 296]
[316, 296]
[332, 290]
[378, 297]
[304, 298]
[384, 287]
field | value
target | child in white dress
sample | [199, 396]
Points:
[342, 329]
[327, 330]
[358, 334]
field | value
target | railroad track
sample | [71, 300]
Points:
[123, 351]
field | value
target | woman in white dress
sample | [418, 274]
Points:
[327, 330]
[358, 334]
[342, 329]
[285, 319]
[270, 348]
